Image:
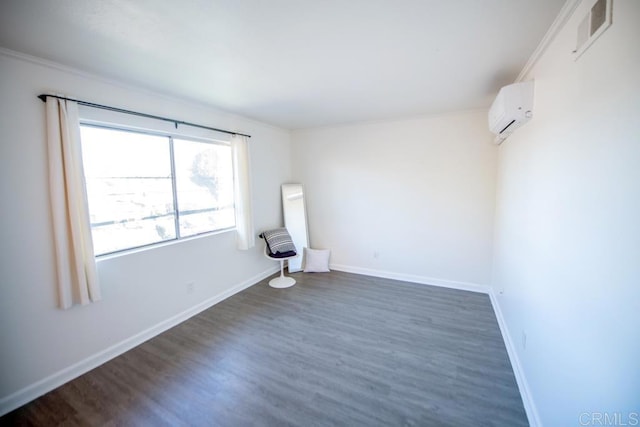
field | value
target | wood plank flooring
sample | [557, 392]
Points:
[335, 349]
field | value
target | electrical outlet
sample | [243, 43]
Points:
[524, 340]
[191, 287]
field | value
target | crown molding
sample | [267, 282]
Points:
[563, 16]
[132, 87]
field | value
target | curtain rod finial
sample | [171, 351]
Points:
[43, 97]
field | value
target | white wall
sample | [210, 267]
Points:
[419, 193]
[568, 226]
[140, 290]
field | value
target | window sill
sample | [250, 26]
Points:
[153, 246]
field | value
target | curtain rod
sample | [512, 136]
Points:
[44, 97]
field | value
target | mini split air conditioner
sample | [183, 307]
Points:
[512, 108]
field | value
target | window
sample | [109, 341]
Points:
[147, 188]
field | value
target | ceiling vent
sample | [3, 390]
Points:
[596, 22]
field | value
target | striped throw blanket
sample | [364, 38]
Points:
[279, 242]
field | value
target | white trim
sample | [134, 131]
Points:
[417, 116]
[129, 86]
[557, 25]
[37, 389]
[521, 380]
[464, 286]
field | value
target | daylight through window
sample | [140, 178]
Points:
[144, 188]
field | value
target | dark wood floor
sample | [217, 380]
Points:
[336, 349]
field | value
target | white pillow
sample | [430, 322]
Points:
[316, 260]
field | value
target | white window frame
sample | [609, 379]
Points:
[161, 130]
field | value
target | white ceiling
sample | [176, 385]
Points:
[292, 63]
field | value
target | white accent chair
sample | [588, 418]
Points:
[281, 281]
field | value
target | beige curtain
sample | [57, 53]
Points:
[77, 279]
[242, 191]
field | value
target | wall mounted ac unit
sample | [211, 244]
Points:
[512, 108]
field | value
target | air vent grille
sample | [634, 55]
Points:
[507, 126]
[598, 16]
[597, 20]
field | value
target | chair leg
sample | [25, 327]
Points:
[282, 281]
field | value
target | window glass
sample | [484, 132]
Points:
[204, 184]
[136, 182]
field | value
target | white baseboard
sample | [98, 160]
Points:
[35, 390]
[521, 380]
[523, 385]
[464, 286]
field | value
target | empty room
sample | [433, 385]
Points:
[354, 212]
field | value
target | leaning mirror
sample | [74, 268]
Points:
[295, 220]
